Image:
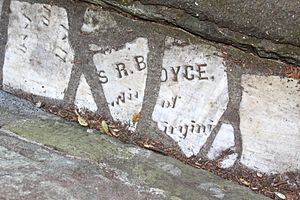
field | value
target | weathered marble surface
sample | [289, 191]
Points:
[223, 141]
[84, 97]
[38, 57]
[270, 128]
[123, 75]
[193, 94]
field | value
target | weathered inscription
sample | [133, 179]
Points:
[38, 57]
[193, 95]
[123, 76]
[188, 72]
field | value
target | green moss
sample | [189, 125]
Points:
[140, 166]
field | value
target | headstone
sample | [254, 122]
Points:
[84, 97]
[223, 141]
[38, 57]
[193, 94]
[269, 123]
[123, 75]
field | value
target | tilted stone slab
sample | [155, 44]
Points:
[270, 128]
[193, 94]
[38, 57]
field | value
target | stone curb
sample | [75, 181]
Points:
[201, 97]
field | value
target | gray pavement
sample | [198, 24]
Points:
[67, 162]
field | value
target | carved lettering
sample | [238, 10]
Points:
[126, 96]
[170, 104]
[141, 65]
[23, 48]
[102, 77]
[186, 74]
[185, 129]
[45, 20]
[201, 72]
[60, 53]
[175, 73]
[121, 68]
[164, 75]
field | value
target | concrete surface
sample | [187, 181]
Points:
[103, 168]
[132, 70]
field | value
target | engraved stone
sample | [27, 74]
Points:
[38, 57]
[123, 75]
[269, 123]
[193, 94]
[224, 140]
[84, 98]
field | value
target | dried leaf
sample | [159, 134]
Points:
[104, 127]
[280, 195]
[292, 71]
[244, 182]
[136, 116]
[82, 121]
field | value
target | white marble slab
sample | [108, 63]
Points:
[228, 161]
[193, 94]
[38, 57]
[269, 123]
[84, 98]
[123, 74]
[223, 141]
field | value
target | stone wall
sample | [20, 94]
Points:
[209, 100]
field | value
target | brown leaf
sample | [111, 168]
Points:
[292, 71]
[136, 116]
